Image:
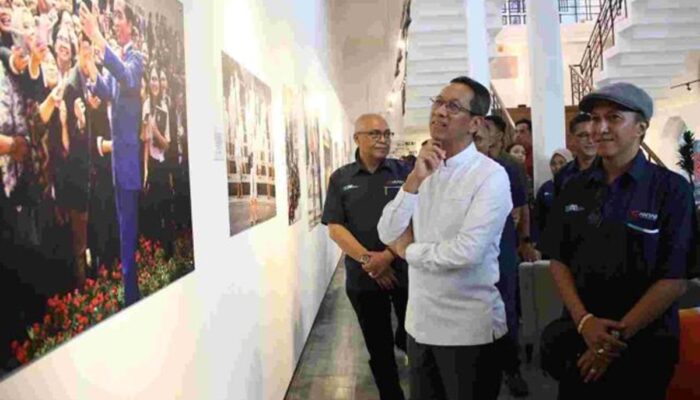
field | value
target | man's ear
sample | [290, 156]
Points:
[475, 124]
[642, 128]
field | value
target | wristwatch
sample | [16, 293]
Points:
[364, 259]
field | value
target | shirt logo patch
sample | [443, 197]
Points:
[397, 182]
[636, 214]
[349, 187]
[573, 208]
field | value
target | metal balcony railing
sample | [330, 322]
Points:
[602, 37]
[570, 11]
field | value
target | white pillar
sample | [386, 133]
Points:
[547, 85]
[477, 41]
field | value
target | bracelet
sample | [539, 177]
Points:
[393, 253]
[583, 321]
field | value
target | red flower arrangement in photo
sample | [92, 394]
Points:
[69, 315]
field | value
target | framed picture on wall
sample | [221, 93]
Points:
[95, 217]
[292, 126]
[327, 159]
[314, 189]
[249, 150]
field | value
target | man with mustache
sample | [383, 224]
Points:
[446, 221]
[622, 240]
[375, 277]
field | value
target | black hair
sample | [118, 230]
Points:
[481, 102]
[129, 14]
[525, 121]
[498, 121]
[579, 119]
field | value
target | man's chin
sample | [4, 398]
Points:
[381, 153]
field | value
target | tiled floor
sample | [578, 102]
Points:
[334, 365]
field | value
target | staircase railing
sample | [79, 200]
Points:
[651, 156]
[498, 108]
[602, 37]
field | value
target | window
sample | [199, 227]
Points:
[570, 11]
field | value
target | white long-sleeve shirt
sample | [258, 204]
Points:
[458, 216]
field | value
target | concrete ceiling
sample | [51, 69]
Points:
[363, 37]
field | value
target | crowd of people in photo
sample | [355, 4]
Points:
[434, 238]
[92, 103]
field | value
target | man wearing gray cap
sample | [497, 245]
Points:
[621, 237]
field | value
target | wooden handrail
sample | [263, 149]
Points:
[651, 155]
[499, 107]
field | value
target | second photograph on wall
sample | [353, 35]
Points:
[249, 152]
[292, 125]
[314, 190]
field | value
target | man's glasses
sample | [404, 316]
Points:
[452, 107]
[376, 134]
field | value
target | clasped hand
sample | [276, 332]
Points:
[603, 347]
[379, 268]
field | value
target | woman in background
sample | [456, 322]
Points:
[545, 194]
[155, 134]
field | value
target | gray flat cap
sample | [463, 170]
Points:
[625, 94]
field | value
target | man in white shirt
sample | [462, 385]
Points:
[447, 222]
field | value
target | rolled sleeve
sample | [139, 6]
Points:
[483, 223]
[396, 216]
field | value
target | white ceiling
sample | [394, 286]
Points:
[363, 37]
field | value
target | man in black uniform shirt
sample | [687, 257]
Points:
[622, 240]
[376, 278]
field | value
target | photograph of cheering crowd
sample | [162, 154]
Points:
[94, 198]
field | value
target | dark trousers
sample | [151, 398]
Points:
[507, 286]
[454, 372]
[127, 214]
[373, 310]
[640, 373]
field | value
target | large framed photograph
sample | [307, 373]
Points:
[249, 151]
[95, 210]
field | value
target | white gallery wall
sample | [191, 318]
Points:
[236, 326]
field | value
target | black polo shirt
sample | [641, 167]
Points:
[356, 199]
[619, 239]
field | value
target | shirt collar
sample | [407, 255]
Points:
[637, 170]
[127, 47]
[462, 157]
